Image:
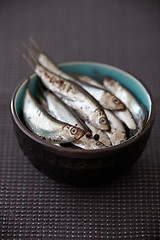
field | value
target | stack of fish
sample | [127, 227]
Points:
[77, 109]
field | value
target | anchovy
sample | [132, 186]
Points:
[117, 134]
[89, 80]
[105, 98]
[125, 116]
[45, 61]
[57, 108]
[60, 111]
[100, 135]
[89, 143]
[127, 97]
[76, 97]
[45, 126]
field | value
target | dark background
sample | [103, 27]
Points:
[122, 33]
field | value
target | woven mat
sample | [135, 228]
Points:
[121, 33]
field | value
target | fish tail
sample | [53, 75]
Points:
[31, 61]
[32, 52]
[35, 49]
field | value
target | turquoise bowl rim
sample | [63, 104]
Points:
[148, 124]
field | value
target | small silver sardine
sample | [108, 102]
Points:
[117, 134]
[89, 143]
[60, 111]
[102, 135]
[127, 118]
[45, 61]
[105, 98]
[45, 126]
[127, 97]
[87, 79]
[56, 107]
[113, 137]
[76, 97]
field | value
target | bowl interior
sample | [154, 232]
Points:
[97, 71]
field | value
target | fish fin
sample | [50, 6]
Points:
[28, 48]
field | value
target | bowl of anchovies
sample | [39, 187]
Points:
[81, 123]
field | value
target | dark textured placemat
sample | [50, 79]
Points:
[123, 33]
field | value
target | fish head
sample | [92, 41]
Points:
[73, 133]
[93, 144]
[100, 120]
[89, 143]
[109, 101]
[117, 104]
[99, 145]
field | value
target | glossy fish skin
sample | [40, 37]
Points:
[76, 97]
[87, 79]
[106, 99]
[58, 110]
[127, 118]
[89, 143]
[127, 97]
[125, 115]
[117, 134]
[113, 137]
[45, 126]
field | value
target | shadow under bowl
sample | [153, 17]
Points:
[78, 166]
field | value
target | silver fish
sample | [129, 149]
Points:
[45, 61]
[89, 80]
[127, 97]
[56, 107]
[105, 98]
[76, 97]
[117, 134]
[124, 115]
[113, 137]
[89, 143]
[61, 112]
[45, 126]
[101, 135]
[127, 118]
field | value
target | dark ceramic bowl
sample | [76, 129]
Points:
[76, 166]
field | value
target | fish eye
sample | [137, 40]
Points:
[102, 120]
[74, 131]
[99, 144]
[116, 100]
